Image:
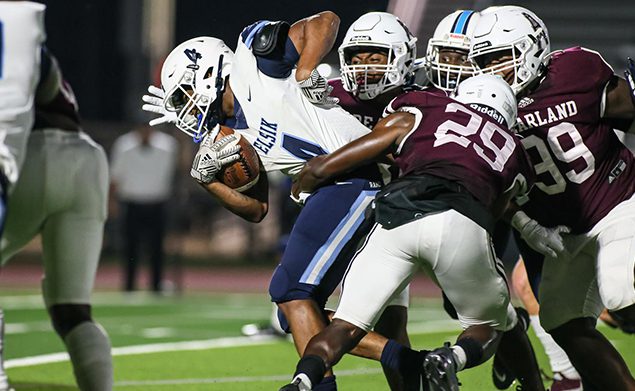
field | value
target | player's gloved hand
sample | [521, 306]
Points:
[213, 156]
[154, 104]
[300, 198]
[317, 89]
[547, 241]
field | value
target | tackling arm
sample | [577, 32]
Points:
[313, 37]
[374, 146]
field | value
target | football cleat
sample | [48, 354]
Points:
[503, 377]
[296, 385]
[439, 369]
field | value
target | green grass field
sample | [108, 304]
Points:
[194, 343]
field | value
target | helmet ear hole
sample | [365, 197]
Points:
[209, 73]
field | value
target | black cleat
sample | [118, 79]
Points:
[439, 370]
[503, 377]
[294, 386]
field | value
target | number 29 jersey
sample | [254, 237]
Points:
[583, 170]
[283, 126]
[453, 141]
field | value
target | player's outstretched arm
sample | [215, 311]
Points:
[313, 37]
[374, 146]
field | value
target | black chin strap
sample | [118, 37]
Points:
[215, 113]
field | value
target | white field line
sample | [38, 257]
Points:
[151, 348]
[216, 343]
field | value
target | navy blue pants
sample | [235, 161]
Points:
[322, 243]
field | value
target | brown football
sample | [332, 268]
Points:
[244, 173]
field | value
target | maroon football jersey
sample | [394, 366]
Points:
[55, 103]
[368, 112]
[583, 170]
[455, 142]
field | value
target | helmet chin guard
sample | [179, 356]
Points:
[453, 32]
[511, 38]
[377, 32]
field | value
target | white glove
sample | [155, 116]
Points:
[547, 241]
[154, 104]
[212, 157]
[301, 198]
[317, 89]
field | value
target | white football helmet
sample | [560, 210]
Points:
[513, 31]
[453, 32]
[485, 93]
[193, 77]
[377, 31]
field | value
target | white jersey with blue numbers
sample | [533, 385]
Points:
[283, 126]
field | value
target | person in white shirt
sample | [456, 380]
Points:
[143, 164]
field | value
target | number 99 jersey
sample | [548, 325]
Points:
[583, 170]
[283, 126]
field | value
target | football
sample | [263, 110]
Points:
[245, 172]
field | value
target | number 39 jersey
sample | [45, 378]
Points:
[283, 126]
[453, 141]
[583, 170]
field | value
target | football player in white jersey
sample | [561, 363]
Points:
[21, 36]
[280, 103]
[61, 194]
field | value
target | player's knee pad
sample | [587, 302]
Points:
[284, 323]
[66, 316]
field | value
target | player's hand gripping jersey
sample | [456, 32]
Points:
[284, 127]
[583, 170]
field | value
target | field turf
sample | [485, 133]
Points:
[193, 342]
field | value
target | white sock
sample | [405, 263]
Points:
[460, 358]
[89, 348]
[558, 359]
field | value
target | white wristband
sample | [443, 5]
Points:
[519, 220]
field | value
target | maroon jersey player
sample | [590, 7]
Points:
[446, 150]
[584, 180]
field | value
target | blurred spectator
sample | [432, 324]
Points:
[143, 163]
